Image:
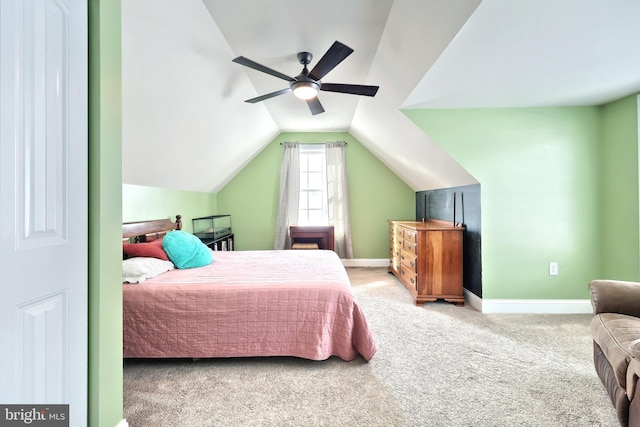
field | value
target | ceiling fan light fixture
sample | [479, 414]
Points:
[307, 84]
[305, 90]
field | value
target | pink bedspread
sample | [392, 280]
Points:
[248, 303]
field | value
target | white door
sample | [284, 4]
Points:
[43, 204]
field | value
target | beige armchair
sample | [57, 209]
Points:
[615, 328]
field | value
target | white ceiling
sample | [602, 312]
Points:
[185, 124]
[538, 53]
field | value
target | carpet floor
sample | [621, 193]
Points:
[436, 365]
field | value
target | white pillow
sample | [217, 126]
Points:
[139, 269]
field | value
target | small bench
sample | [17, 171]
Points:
[304, 246]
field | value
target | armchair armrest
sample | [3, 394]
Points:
[633, 370]
[615, 296]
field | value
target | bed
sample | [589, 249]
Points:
[243, 304]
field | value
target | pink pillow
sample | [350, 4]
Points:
[150, 250]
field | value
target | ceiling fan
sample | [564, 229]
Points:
[307, 84]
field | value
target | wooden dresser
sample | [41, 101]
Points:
[427, 258]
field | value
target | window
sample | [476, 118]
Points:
[314, 191]
[313, 185]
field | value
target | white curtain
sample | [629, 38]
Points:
[289, 201]
[338, 195]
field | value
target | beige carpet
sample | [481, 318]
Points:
[437, 365]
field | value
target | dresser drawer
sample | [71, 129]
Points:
[408, 277]
[409, 260]
[410, 235]
[409, 246]
[394, 256]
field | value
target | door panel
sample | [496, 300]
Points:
[43, 203]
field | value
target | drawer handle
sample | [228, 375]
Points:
[412, 281]
[409, 247]
[413, 264]
[402, 257]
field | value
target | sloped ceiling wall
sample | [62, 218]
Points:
[185, 125]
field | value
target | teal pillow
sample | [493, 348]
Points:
[186, 250]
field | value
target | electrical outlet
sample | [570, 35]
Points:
[553, 268]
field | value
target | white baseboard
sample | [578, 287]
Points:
[365, 262]
[473, 300]
[483, 305]
[542, 306]
[123, 423]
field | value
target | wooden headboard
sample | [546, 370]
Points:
[147, 231]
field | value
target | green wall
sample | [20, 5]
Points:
[618, 189]
[376, 194]
[538, 170]
[105, 221]
[141, 203]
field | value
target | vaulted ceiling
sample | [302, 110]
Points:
[185, 125]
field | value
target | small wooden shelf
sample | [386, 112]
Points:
[214, 231]
[220, 244]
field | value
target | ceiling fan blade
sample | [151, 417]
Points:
[252, 64]
[352, 89]
[268, 95]
[315, 106]
[335, 55]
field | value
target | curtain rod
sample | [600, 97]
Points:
[315, 143]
